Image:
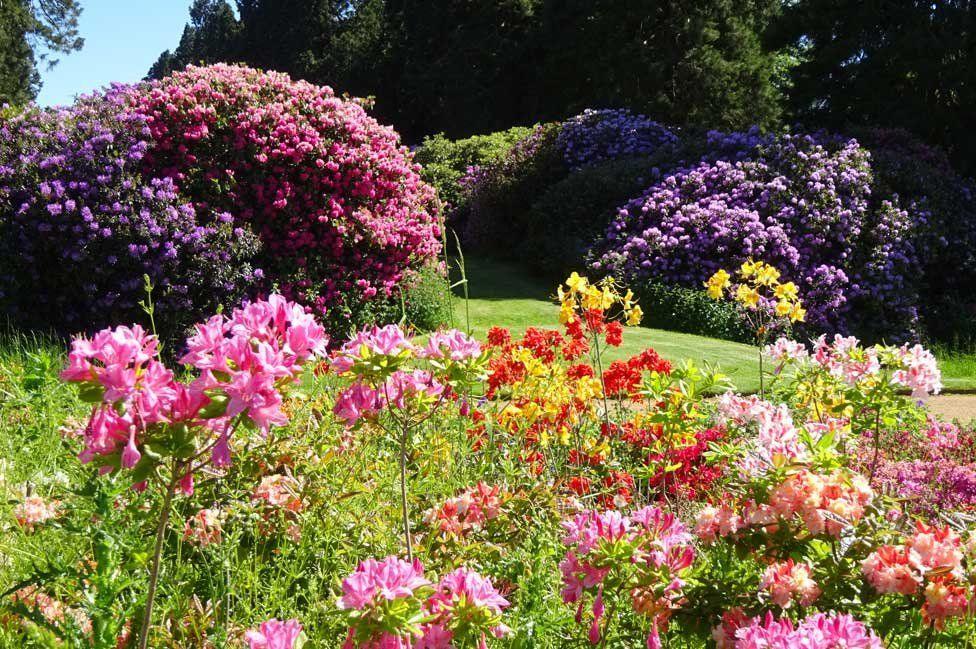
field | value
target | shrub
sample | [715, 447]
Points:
[801, 202]
[922, 176]
[446, 161]
[495, 199]
[599, 135]
[339, 206]
[80, 225]
[496, 196]
[571, 215]
[427, 299]
[691, 311]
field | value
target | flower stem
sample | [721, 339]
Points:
[157, 555]
[403, 488]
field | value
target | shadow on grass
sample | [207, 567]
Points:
[495, 280]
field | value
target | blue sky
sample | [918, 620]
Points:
[122, 39]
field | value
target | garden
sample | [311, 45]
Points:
[272, 379]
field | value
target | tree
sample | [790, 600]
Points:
[898, 63]
[693, 63]
[212, 35]
[33, 32]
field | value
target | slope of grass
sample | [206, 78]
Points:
[502, 294]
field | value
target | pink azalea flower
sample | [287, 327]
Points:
[274, 634]
[375, 580]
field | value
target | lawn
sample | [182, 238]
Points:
[504, 294]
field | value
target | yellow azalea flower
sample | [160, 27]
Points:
[566, 313]
[628, 300]
[749, 268]
[787, 291]
[798, 313]
[609, 298]
[766, 275]
[634, 316]
[564, 436]
[747, 295]
[576, 283]
[783, 308]
[717, 283]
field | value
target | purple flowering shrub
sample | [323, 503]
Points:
[596, 136]
[923, 178]
[80, 226]
[803, 203]
[494, 202]
[932, 469]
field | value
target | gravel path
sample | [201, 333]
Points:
[954, 406]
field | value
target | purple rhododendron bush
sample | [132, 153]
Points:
[275, 488]
[865, 225]
[215, 182]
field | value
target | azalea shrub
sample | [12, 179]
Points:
[216, 182]
[82, 223]
[441, 491]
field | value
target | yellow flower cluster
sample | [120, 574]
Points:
[579, 296]
[759, 280]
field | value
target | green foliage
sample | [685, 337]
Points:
[899, 63]
[492, 216]
[446, 161]
[31, 31]
[683, 309]
[427, 301]
[569, 215]
[480, 65]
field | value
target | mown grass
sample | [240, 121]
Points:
[502, 294]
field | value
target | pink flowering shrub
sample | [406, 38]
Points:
[638, 558]
[339, 206]
[391, 604]
[243, 362]
[275, 634]
[818, 631]
[931, 568]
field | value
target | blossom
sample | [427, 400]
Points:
[818, 631]
[375, 581]
[787, 581]
[274, 634]
[279, 490]
[204, 528]
[890, 570]
[35, 510]
[944, 599]
[452, 344]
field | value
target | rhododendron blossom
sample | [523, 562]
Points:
[788, 581]
[274, 634]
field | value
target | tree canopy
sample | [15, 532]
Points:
[33, 33]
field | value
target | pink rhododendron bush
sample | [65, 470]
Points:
[275, 489]
[215, 182]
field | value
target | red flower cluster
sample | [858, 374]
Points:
[623, 378]
[695, 476]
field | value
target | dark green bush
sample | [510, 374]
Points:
[427, 301]
[446, 161]
[491, 216]
[690, 311]
[569, 215]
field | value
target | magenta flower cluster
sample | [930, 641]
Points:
[338, 204]
[817, 631]
[243, 363]
[803, 203]
[375, 359]
[391, 604]
[640, 556]
[81, 224]
[596, 136]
